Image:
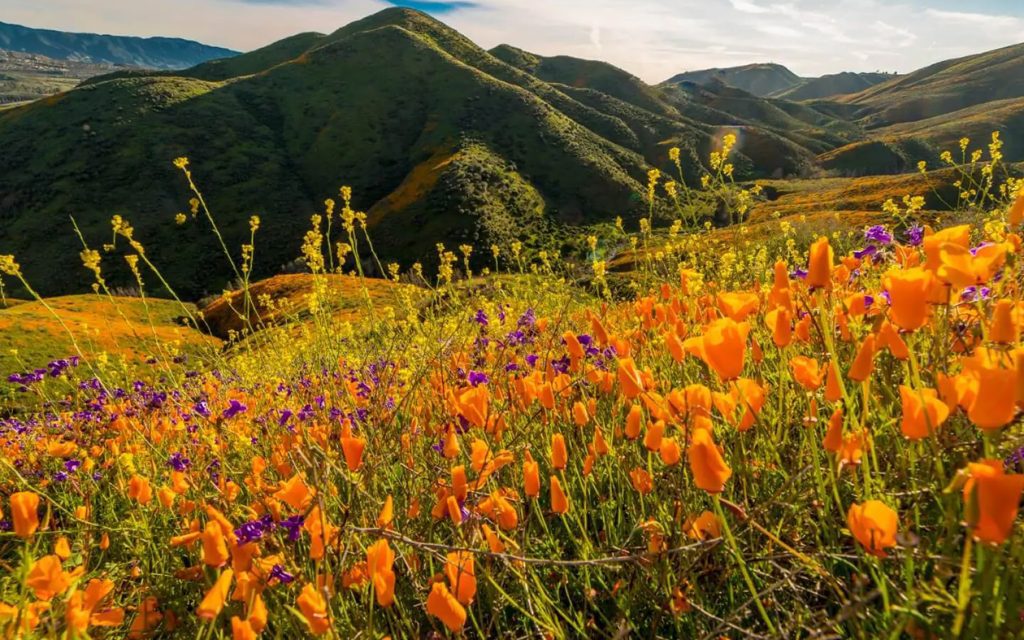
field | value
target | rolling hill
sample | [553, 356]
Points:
[27, 76]
[155, 53]
[440, 140]
[832, 85]
[761, 79]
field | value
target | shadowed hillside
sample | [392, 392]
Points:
[762, 79]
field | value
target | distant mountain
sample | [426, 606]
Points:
[761, 80]
[836, 84]
[943, 88]
[440, 139]
[29, 76]
[919, 115]
[153, 53]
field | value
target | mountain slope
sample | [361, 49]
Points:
[278, 142]
[762, 79]
[156, 53]
[943, 88]
[831, 85]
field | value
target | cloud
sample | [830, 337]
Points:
[974, 18]
[748, 7]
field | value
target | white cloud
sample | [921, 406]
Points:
[653, 39]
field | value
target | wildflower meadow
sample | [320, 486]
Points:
[811, 433]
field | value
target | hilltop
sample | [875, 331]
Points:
[439, 139]
[155, 53]
[761, 79]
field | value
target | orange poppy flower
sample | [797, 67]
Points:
[652, 439]
[1016, 215]
[352, 448]
[531, 476]
[710, 472]
[834, 435]
[738, 305]
[215, 548]
[461, 572]
[864, 362]
[704, 527]
[387, 514]
[641, 481]
[46, 578]
[314, 609]
[25, 513]
[379, 562]
[996, 403]
[630, 379]
[874, 525]
[559, 456]
[780, 321]
[559, 503]
[443, 605]
[140, 490]
[670, 451]
[933, 243]
[889, 338]
[833, 385]
[295, 493]
[819, 266]
[242, 629]
[499, 509]
[806, 372]
[908, 291]
[723, 347]
[1003, 328]
[215, 598]
[634, 422]
[962, 267]
[923, 412]
[992, 498]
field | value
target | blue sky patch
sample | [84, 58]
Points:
[439, 7]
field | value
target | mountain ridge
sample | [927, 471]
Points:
[155, 52]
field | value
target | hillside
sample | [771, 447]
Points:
[26, 76]
[943, 88]
[832, 85]
[156, 53]
[762, 79]
[439, 139]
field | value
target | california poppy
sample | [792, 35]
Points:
[314, 609]
[819, 266]
[630, 380]
[25, 513]
[923, 412]
[874, 525]
[379, 562]
[864, 362]
[559, 503]
[531, 476]
[443, 605]
[215, 598]
[723, 347]
[1003, 328]
[559, 455]
[993, 498]
[806, 372]
[461, 572]
[641, 481]
[46, 578]
[710, 472]
[738, 305]
[908, 292]
[996, 403]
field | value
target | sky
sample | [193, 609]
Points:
[653, 39]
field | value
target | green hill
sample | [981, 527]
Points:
[762, 79]
[943, 88]
[439, 139]
[831, 85]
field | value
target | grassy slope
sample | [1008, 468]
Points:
[284, 140]
[944, 88]
[757, 79]
[835, 84]
[127, 328]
